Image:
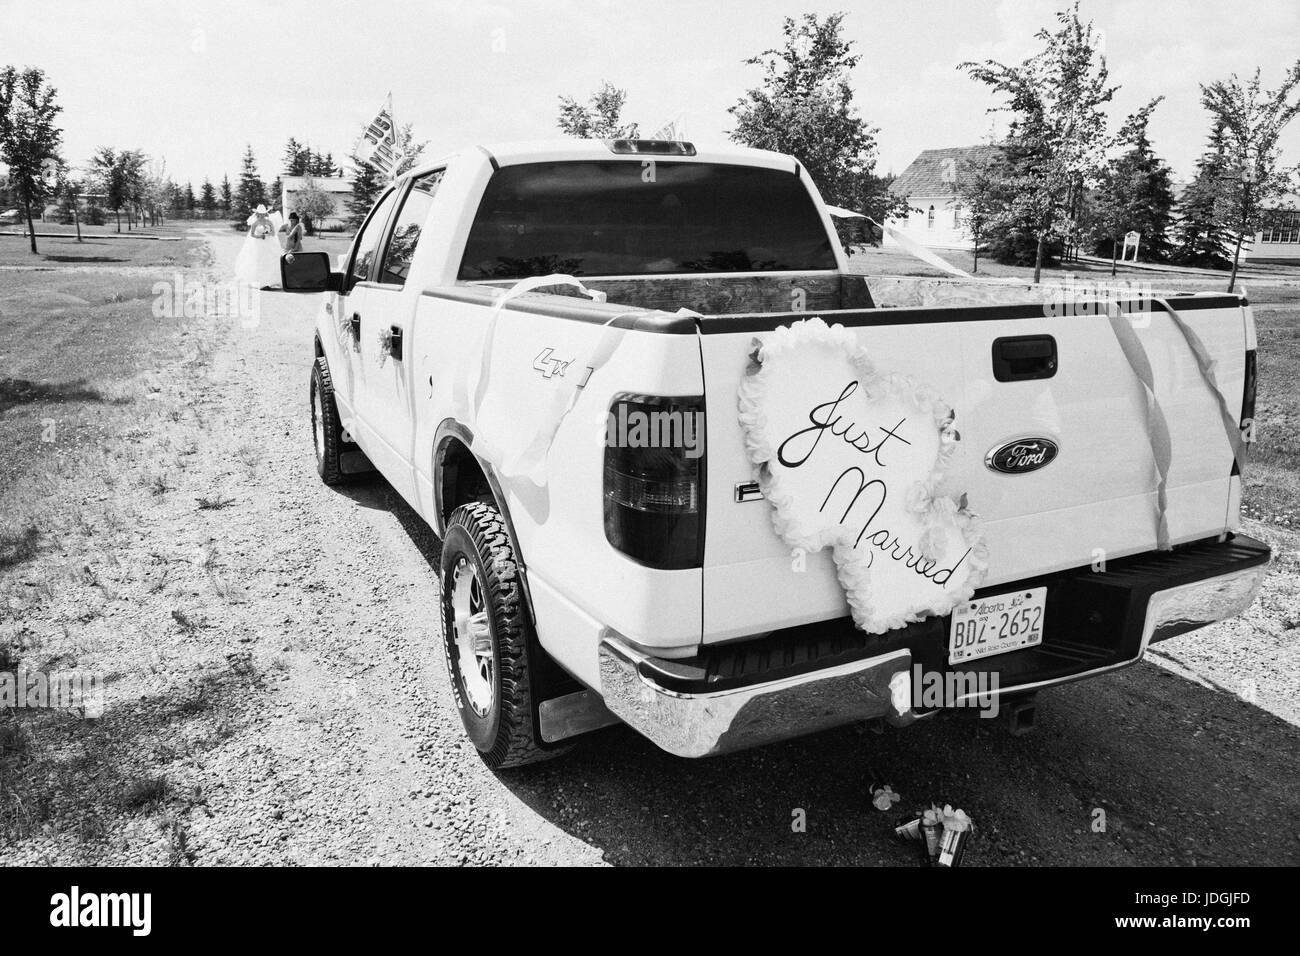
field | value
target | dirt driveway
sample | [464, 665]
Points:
[285, 685]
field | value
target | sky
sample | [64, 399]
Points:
[193, 83]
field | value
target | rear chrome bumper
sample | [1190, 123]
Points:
[705, 724]
[700, 722]
[1178, 610]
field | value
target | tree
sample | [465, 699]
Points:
[155, 189]
[29, 138]
[313, 204]
[251, 191]
[275, 191]
[321, 165]
[1136, 194]
[188, 201]
[1057, 142]
[601, 119]
[133, 178]
[227, 197]
[296, 158]
[980, 194]
[366, 185]
[1201, 240]
[116, 176]
[411, 150]
[207, 198]
[804, 107]
[1252, 120]
[69, 193]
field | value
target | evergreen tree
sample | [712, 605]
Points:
[365, 190]
[227, 196]
[1201, 239]
[1136, 194]
[296, 158]
[251, 191]
[190, 202]
[207, 199]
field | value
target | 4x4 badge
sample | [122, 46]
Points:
[549, 366]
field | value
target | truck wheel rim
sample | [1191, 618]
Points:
[473, 637]
[317, 422]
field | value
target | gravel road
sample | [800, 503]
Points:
[299, 707]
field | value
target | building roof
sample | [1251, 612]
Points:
[930, 174]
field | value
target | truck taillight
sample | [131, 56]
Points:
[654, 480]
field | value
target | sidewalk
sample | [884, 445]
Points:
[1192, 271]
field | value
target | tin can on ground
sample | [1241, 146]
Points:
[952, 846]
[908, 827]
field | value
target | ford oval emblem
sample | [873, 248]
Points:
[1021, 455]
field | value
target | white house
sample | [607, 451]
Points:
[929, 186]
[339, 188]
[1279, 240]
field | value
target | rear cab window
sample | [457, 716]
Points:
[620, 218]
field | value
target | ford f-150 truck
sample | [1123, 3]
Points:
[506, 315]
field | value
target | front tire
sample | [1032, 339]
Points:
[326, 428]
[486, 637]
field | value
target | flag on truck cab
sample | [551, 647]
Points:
[379, 146]
[672, 131]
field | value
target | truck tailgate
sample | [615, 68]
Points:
[1096, 500]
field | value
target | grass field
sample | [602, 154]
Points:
[163, 246]
[100, 245]
[1273, 474]
[78, 350]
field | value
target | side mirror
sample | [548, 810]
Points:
[309, 272]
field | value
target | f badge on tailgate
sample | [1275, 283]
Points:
[1021, 455]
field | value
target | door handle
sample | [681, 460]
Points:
[1020, 358]
[395, 347]
[356, 326]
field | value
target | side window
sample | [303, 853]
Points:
[369, 237]
[406, 232]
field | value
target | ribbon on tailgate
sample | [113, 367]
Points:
[1158, 434]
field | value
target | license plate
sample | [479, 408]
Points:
[996, 624]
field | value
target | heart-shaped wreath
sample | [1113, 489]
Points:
[853, 459]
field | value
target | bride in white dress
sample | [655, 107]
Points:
[258, 263]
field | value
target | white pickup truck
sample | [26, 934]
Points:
[504, 313]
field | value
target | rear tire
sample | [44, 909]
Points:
[326, 428]
[486, 637]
